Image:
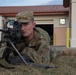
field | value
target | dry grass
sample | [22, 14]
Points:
[66, 66]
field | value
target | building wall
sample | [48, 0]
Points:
[59, 30]
[60, 36]
[11, 18]
[52, 20]
[73, 23]
[1, 25]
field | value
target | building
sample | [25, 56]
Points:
[53, 18]
[72, 20]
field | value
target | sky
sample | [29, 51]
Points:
[30, 2]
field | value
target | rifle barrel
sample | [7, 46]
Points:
[42, 65]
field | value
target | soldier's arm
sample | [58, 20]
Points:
[44, 51]
[39, 54]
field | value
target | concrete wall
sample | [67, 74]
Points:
[51, 20]
[48, 20]
[1, 25]
[73, 23]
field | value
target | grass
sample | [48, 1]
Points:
[66, 66]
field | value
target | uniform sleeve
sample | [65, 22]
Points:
[40, 54]
[3, 46]
[44, 50]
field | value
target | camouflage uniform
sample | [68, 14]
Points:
[38, 48]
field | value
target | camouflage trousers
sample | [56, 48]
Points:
[45, 57]
[40, 57]
[37, 57]
[29, 54]
[1, 51]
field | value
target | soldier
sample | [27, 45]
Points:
[35, 44]
[35, 41]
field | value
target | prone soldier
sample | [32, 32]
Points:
[35, 42]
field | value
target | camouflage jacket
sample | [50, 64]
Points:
[38, 48]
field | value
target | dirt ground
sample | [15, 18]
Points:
[66, 66]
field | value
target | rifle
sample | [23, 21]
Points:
[13, 36]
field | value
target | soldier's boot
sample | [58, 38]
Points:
[5, 64]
